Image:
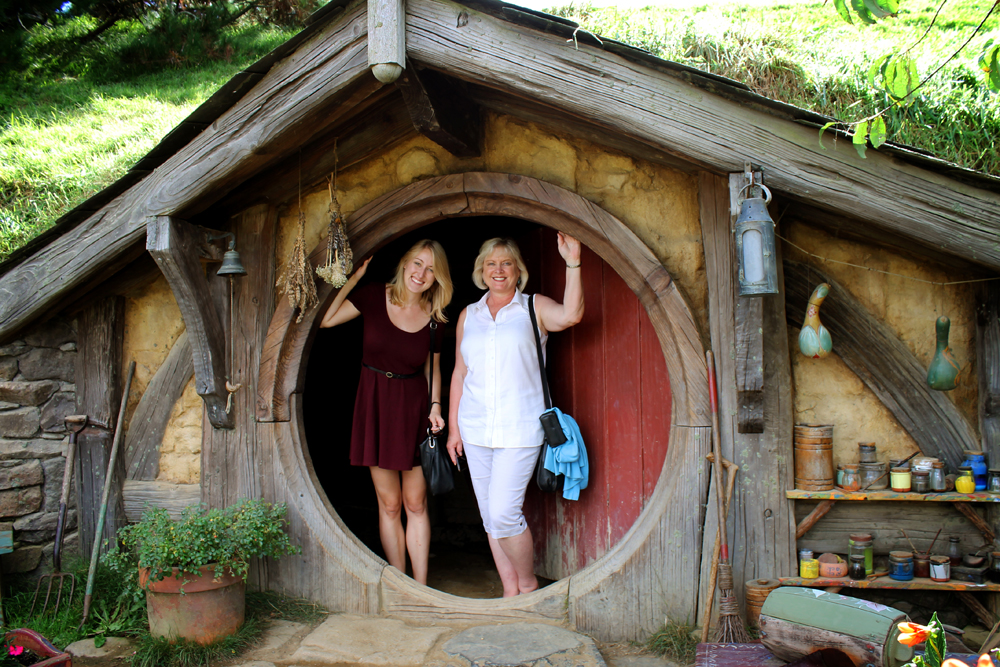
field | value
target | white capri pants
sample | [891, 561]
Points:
[500, 478]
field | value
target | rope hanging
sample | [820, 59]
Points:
[339, 256]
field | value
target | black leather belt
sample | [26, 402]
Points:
[394, 376]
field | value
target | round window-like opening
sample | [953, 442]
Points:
[608, 371]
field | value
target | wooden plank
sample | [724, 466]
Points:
[887, 523]
[149, 421]
[749, 318]
[988, 367]
[386, 34]
[98, 395]
[969, 513]
[915, 584]
[947, 497]
[140, 495]
[441, 111]
[282, 112]
[885, 364]
[984, 614]
[234, 462]
[174, 245]
[650, 105]
[762, 533]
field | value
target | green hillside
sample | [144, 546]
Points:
[69, 128]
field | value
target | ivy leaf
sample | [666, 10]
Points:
[860, 138]
[877, 132]
[862, 11]
[989, 62]
[842, 9]
[876, 10]
[878, 69]
[901, 77]
[824, 129]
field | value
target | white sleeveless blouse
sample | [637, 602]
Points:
[502, 394]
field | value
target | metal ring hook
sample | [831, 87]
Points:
[767, 199]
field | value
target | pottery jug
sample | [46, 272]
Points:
[944, 370]
[814, 340]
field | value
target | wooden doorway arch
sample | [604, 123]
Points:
[654, 568]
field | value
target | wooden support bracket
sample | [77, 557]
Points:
[441, 111]
[810, 519]
[977, 521]
[749, 318]
[174, 244]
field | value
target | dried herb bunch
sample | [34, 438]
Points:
[296, 281]
[339, 256]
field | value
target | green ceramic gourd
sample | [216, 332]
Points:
[943, 372]
[814, 340]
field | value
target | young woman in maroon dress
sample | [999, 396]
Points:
[391, 412]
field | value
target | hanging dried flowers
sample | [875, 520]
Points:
[339, 256]
[296, 280]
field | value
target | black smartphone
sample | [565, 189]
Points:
[553, 429]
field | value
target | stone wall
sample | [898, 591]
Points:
[37, 393]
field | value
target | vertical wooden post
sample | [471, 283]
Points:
[762, 541]
[749, 336]
[386, 39]
[988, 372]
[98, 395]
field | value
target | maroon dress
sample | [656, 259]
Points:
[390, 414]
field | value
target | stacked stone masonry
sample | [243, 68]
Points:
[37, 393]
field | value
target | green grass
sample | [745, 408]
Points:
[676, 641]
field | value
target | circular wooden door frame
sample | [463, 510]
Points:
[482, 194]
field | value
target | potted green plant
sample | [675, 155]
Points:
[193, 569]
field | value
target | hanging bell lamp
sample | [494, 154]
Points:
[231, 264]
[755, 245]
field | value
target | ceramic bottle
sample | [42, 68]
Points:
[943, 372]
[814, 340]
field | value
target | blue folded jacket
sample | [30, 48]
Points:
[569, 459]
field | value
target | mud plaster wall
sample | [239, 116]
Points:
[152, 324]
[659, 204]
[828, 392]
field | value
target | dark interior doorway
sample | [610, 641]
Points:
[460, 559]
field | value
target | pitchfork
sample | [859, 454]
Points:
[75, 424]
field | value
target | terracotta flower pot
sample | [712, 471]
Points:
[206, 611]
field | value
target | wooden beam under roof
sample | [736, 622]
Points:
[646, 104]
[289, 106]
[442, 111]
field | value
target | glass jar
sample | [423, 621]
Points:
[921, 564]
[936, 478]
[900, 479]
[900, 565]
[809, 568]
[867, 452]
[940, 568]
[861, 544]
[856, 571]
[965, 482]
[920, 481]
[954, 550]
[805, 554]
[851, 480]
[873, 476]
[977, 461]
[993, 480]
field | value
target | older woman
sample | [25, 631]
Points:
[391, 414]
[496, 395]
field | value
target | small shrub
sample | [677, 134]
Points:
[675, 641]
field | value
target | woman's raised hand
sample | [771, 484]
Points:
[455, 448]
[569, 248]
[359, 274]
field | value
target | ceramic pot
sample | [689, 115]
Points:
[943, 372]
[814, 339]
[206, 611]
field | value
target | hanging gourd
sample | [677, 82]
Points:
[296, 281]
[943, 372]
[814, 340]
[339, 257]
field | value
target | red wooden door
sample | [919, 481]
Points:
[609, 373]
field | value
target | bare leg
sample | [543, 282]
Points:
[390, 524]
[520, 554]
[508, 575]
[418, 524]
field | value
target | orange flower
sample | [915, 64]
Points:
[952, 662]
[912, 634]
[985, 661]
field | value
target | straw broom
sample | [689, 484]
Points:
[731, 629]
[731, 470]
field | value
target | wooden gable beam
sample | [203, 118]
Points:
[174, 245]
[286, 109]
[988, 367]
[883, 362]
[650, 105]
[441, 111]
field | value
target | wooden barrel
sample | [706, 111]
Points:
[757, 591]
[814, 457]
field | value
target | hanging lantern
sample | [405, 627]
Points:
[755, 246]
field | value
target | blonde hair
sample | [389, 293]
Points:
[438, 295]
[515, 253]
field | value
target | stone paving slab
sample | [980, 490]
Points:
[277, 635]
[515, 644]
[363, 640]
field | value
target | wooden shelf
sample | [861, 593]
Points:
[949, 497]
[917, 583]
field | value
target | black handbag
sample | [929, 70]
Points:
[434, 459]
[546, 480]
